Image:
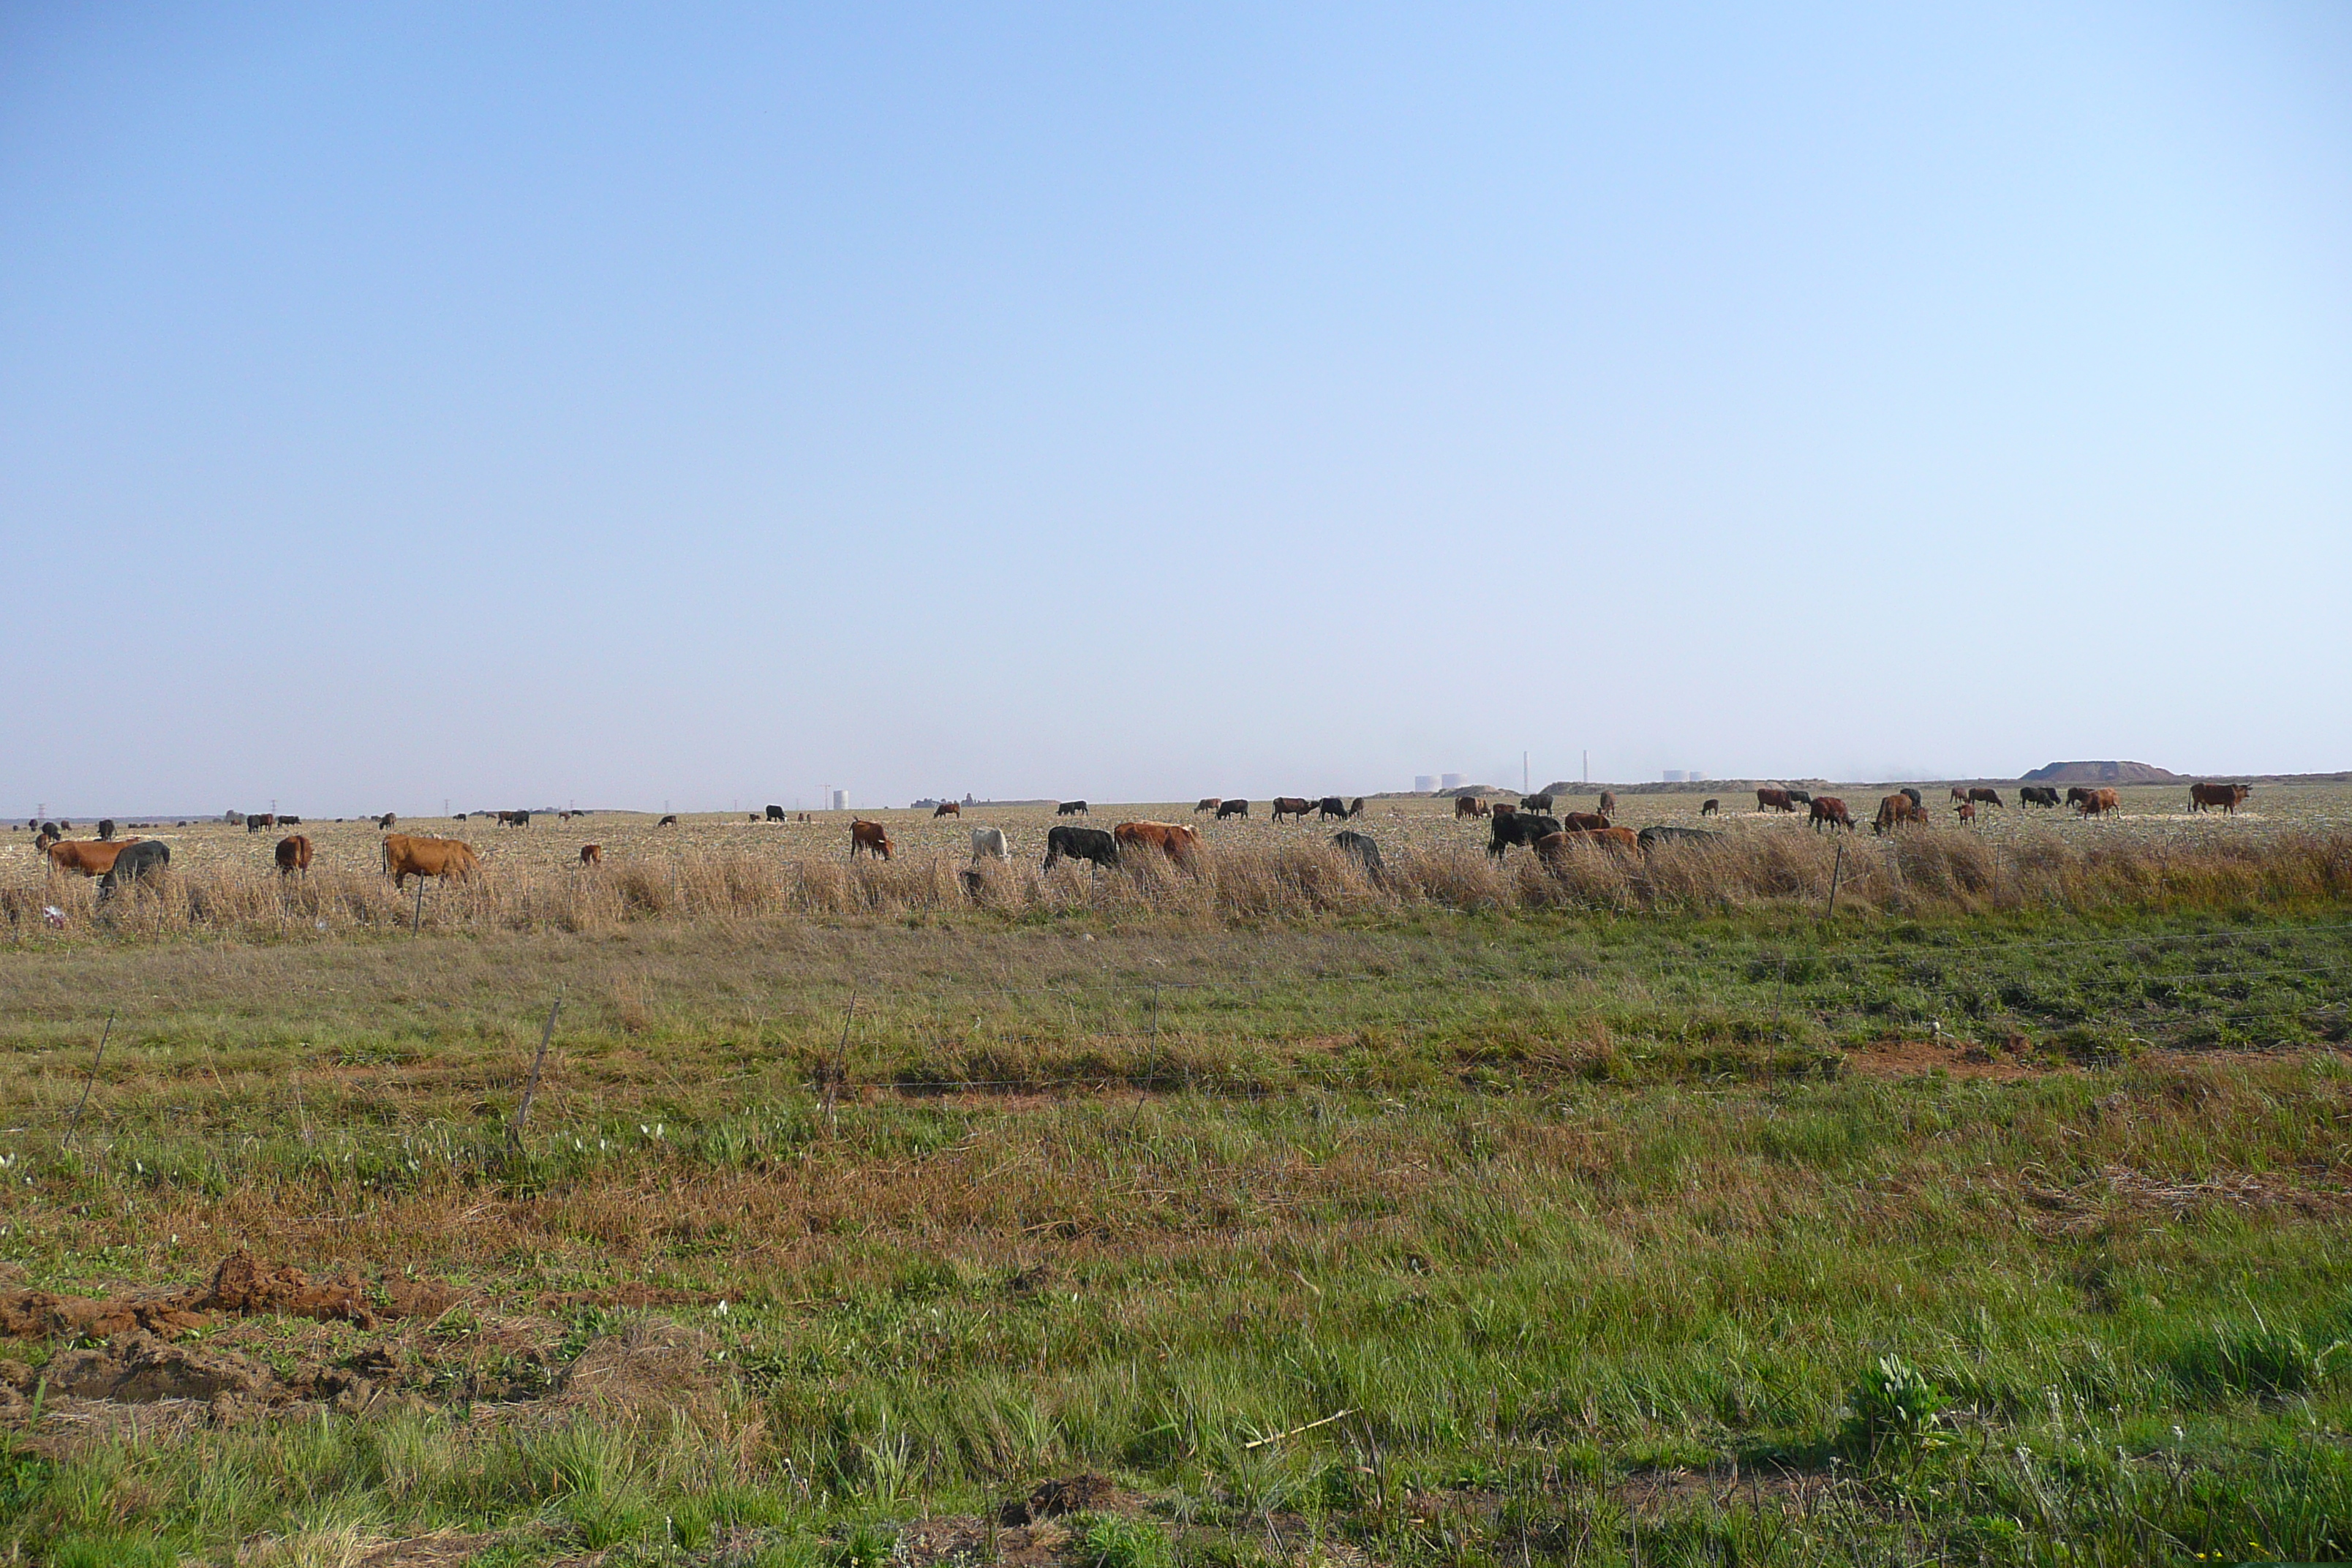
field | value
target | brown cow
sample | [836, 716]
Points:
[1895, 811]
[404, 856]
[2099, 803]
[591, 854]
[1959, 795]
[1608, 804]
[293, 854]
[2228, 796]
[87, 855]
[1553, 846]
[1774, 800]
[1968, 812]
[1829, 811]
[385, 822]
[870, 837]
[1980, 795]
[946, 809]
[1209, 802]
[1291, 806]
[1468, 805]
[1584, 822]
[1177, 840]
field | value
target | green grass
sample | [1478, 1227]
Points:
[1602, 1233]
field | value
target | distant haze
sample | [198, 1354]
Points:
[632, 407]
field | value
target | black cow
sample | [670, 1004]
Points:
[49, 829]
[2037, 794]
[1651, 838]
[1914, 796]
[670, 821]
[1535, 803]
[1524, 827]
[1799, 797]
[1332, 805]
[1081, 844]
[105, 829]
[137, 860]
[1709, 807]
[1233, 808]
[1356, 806]
[1072, 808]
[775, 814]
[1361, 847]
[258, 820]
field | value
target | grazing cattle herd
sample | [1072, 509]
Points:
[1527, 823]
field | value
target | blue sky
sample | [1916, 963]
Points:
[630, 406]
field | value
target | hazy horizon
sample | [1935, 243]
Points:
[722, 405]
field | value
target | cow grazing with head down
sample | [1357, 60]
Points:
[1651, 838]
[1608, 807]
[2228, 796]
[1541, 804]
[947, 808]
[1209, 802]
[106, 827]
[1896, 811]
[139, 859]
[2076, 795]
[2100, 802]
[386, 821]
[1830, 812]
[449, 858]
[1584, 822]
[1774, 800]
[2037, 794]
[1176, 840]
[1555, 848]
[1468, 805]
[591, 854]
[775, 814]
[293, 854]
[871, 837]
[1072, 808]
[1959, 795]
[1233, 808]
[1980, 795]
[1709, 807]
[1332, 805]
[1523, 828]
[988, 844]
[669, 821]
[87, 856]
[1291, 806]
[1356, 806]
[1081, 844]
[1365, 852]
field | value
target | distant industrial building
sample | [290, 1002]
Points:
[1455, 781]
[841, 800]
[1424, 783]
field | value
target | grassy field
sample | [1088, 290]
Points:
[1995, 1228]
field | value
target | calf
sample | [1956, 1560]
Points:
[1966, 811]
[1233, 808]
[870, 837]
[293, 854]
[1360, 846]
[591, 854]
[1709, 807]
[1081, 844]
[988, 844]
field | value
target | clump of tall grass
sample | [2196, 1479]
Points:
[1913, 872]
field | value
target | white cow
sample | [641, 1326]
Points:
[988, 844]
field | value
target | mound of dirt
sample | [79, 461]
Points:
[240, 1286]
[652, 1366]
[1084, 1493]
[2101, 773]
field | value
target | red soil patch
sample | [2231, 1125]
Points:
[240, 1286]
[1910, 1058]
